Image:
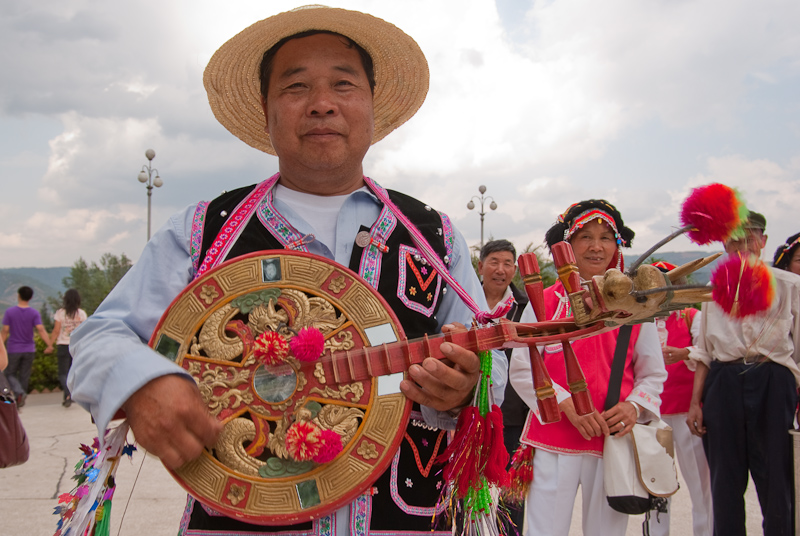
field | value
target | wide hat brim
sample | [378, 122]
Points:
[232, 80]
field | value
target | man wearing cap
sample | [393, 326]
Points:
[745, 396]
[320, 86]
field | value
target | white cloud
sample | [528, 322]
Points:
[528, 108]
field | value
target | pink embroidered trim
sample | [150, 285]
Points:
[649, 399]
[402, 283]
[234, 226]
[360, 515]
[404, 506]
[278, 226]
[371, 258]
[196, 245]
[447, 231]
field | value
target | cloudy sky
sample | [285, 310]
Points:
[544, 102]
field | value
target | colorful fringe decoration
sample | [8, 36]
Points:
[271, 348]
[520, 475]
[716, 212]
[308, 344]
[476, 458]
[86, 510]
[743, 286]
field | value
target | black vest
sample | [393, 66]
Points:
[403, 497]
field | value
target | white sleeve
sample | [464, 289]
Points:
[649, 373]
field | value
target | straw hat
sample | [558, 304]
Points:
[232, 80]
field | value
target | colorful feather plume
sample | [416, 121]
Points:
[743, 285]
[86, 510]
[715, 212]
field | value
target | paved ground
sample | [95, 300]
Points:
[28, 493]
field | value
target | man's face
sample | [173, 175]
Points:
[497, 270]
[319, 113]
[594, 245]
[753, 242]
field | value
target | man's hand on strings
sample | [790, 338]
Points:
[447, 384]
[169, 420]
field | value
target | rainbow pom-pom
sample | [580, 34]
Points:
[715, 211]
[743, 286]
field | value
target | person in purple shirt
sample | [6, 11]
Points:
[18, 325]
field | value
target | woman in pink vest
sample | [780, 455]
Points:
[677, 334]
[569, 454]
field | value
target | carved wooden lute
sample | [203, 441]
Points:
[353, 389]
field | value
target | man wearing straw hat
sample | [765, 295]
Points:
[315, 86]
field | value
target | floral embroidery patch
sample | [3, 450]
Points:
[198, 221]
[418, 290]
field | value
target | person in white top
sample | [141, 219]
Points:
[745, 396]
[69, 317]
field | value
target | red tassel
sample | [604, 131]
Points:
[715, 211]
[743, 286]
[520, 475]
[496, 453]
[464, 455]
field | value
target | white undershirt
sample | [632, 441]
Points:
[320, 212]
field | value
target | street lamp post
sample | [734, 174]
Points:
[146, 176]
[482, 199]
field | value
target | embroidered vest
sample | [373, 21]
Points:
[405, 496]
[677, 392]
[595, 355]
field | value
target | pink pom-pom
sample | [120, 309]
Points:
[715, 211]
[303, 440]
[308, 344]
[270, 348]
[330, 446]
[743, 286]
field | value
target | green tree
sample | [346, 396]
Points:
[44, 373]
[94, 281]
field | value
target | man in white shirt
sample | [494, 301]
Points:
[745, 397]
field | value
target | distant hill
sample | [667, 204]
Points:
[45, 282]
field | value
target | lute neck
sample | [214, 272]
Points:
[373, 361]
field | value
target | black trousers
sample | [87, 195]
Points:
[64, 364]
[748, 411]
